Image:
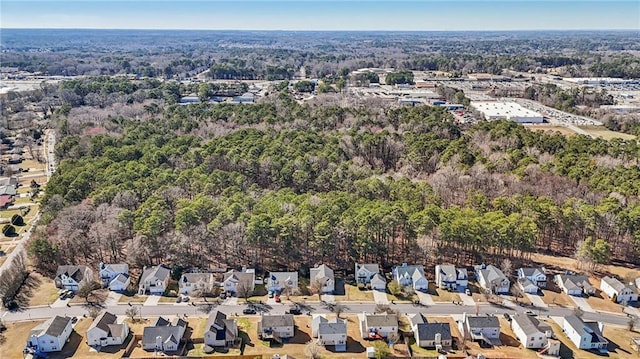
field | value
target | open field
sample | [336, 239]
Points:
[619, 346]
[605, 133]
[570, 263]
[551, 128]
[41, 291]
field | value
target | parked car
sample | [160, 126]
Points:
[74, 320]
[248, 311]
[507, 316]
[277, 298]
[179, 299]
[295, 311]
[529, 312]
[270, 294]
[467, 291]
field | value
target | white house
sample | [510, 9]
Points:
[220, 331]
[105, 331]
[109, 272]
[72, 277]
[120, 283]
[374, 326]
[537, 276]
[279, 281]
[330, 331]
[411, 275]
[154, 280]
[324, 275]
[163, 336]
[527, 286]
[378, 282]
[51, 335]
[574, 284]
[585, 335]
[195, 283]
[240, 283]
[532, 333]
[618, 291]
[365, 271]
[276, 326]
[451, 278]
[492, 279]
[484, 328]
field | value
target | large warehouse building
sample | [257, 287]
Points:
[493, 110]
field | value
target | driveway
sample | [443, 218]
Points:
[113, 298]
[231, 301]
[329, 298]
[425, 299]
[380, 297]
[536, 300]
[467, 299]
[582, 303]
[60, 303]
[152, 300]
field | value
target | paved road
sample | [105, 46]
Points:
[314, 307]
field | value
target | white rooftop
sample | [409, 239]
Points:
[507, 110]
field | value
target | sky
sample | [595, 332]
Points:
[416, 15]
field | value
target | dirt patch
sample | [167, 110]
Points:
[552, 128]
[38, 290]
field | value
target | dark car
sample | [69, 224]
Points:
[507, 316]
[248, 311]
[295, 311]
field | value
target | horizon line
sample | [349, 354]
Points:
[323, 30]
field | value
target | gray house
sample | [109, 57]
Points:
[492, 279]
[330, 331]
[220, 331]
[154, 280]
[481, 328]
[164, 336]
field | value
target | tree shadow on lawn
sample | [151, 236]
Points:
[27, 291]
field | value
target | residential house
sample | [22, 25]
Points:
[574, 284]
[195, 283]
[492, 279]
[365, 271]
[105, 331]
[585, 335]
[527, 286]
[72, 277]
[163, 336]
[411, 275]
[377, 326]
[482, 328]
[430, 335]
[330, 331]
[324, 275]
[537, 276]
[532, 333]
[115, 276]
[220, 331]
[618, 291]
[9, 181]
[154, 280]
[451, 278]
[279, 281]
[8, 190]
[378, 282]
[51, 335]
[276, 327]
[240, 283]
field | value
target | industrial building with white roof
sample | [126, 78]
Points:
[494, 110]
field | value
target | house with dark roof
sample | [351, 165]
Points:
[433, 335]
[240, 283]
[535, 275]
[574, 284]
[330, 331]
[585, 335]
[618, 291]
[8, 190]
[51, 335]
[105, 330]
[164, 336]
[195, 283]
[492, 279]
[451, 278]
[481, 328]
[220, 331]
[114, 276]
[324, 275]
[154, 280]
[276, 326]
[377, 326]
[72, 277]
[532, 333]
[411, 275]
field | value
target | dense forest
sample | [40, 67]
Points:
[281, 184]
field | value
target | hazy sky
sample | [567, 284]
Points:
[322, 15]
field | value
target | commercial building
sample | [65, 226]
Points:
[493, 110]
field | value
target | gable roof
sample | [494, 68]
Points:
[282, 277]
[161, 272]
[448, 271]
[121, 277]
[196, 277]
[237, 276]
[574, 281]
[428, 331]
[333, 326]
[223, 328]
[52, 326]
[415, 319]
[72, 271]
[115, 267]
[408, 270]
[483, 321]
[531, 271]
[8, 190]
[586, 328]
[379, 277]
[529, 324]
[321, 272]
[282, 320]
[370, 267]
[491, 274]
[525, 282]
[168, 332]
[617, 285]
[381, 320]
[103, 320]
